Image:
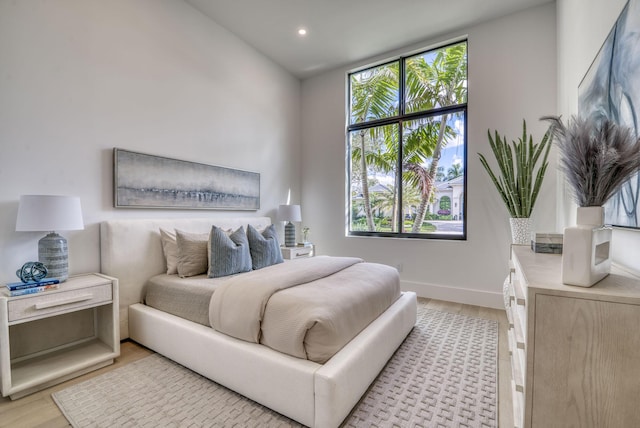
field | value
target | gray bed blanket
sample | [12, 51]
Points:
[308, 308]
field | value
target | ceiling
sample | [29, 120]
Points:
[341, 32]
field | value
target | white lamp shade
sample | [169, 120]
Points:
[289, 213]
[45, 213]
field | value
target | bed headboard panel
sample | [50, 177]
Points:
[131, 251]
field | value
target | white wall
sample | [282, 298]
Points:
[512, 75]
[78, 78]
[583, 25]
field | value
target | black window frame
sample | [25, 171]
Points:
[399, 120]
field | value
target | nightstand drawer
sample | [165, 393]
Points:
[291, 253]
[49, 302]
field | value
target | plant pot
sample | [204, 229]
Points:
[586, 249]
[520, 230]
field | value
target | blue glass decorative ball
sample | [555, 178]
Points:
[32, 271]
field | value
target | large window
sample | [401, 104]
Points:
[407, 146]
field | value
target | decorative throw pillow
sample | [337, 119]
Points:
[264, 247]
[192, 253]
[228, 254]
[170, 250]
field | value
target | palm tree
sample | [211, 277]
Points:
[454, 171]
[384, 202]
[418, 149]
[373, 95]
[379, 146]
[439, 83]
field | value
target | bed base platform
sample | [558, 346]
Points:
[315, 395]
[312, 394]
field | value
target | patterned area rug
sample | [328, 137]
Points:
[443, 375]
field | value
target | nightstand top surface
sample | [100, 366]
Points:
[74, 282]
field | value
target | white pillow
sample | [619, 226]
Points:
[170, 250]
[192, 253]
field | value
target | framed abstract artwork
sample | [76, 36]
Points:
[148, 181]
[611, 90]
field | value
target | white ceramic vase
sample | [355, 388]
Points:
[520, 230]
[586, 249]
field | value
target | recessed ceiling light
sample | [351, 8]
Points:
[302, 32]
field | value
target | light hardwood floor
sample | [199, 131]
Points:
[39, 410]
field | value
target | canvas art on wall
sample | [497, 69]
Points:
[611, 90]
[147, 181]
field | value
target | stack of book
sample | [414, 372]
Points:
[546, 242]
[22, 288]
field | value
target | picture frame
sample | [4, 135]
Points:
[148, 181]
[611, 90]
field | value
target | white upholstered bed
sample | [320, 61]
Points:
[317, 395]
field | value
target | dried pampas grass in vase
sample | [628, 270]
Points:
[597, 157]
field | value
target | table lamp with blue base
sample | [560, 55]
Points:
[46, 213]
[289, 213]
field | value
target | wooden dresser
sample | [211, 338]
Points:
[575, 352]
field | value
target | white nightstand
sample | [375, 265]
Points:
[290, 253]
[50, 337]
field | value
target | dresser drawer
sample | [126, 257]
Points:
[50, 302]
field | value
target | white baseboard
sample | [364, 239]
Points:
[467, 296]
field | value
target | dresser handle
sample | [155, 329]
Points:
[74, 299]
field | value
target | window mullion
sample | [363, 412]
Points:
[410, 116]
[401, 110]
[399, 179]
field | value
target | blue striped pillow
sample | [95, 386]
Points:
[264, 247]
[228, 254]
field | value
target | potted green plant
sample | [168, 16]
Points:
[596, 157]
[521, 168]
